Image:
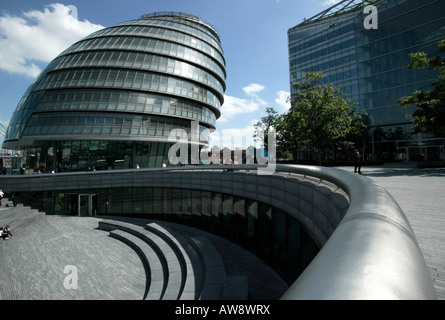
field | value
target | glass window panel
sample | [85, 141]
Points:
[125, 130]
[129, 80]
[176, 197]
[97, 129]
[106, 130]
[88, 129]
[227, 209]
[138, 61]
[134, 130]
[69, 129]
[119, 81]
[111, 76]
[116, 130]
[186, 202]
[143, 44]
[78, 129]
[100, 80]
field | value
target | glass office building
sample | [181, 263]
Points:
[111, 100]
[368, 60]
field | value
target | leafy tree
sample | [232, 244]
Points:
[271, 121]
[430, 113]
[262, 127]
[319, 116]
[359, 137]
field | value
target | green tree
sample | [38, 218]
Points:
[262, 127]
[430, 113]
[359, 137]
[272, 120]
[319, 116]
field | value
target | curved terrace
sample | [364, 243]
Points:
[368, 249]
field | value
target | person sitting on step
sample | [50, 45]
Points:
[6, 232]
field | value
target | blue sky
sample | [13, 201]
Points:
[253, 35]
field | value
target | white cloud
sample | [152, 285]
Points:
[282, 100]
[238, 107]
[252, 89]
[39, 36]
[234, 137]
[234, 106]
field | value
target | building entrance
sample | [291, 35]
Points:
[84, 205]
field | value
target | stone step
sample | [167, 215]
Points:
[6, 213]
[18, 217]
[190, 260]
[218, 285]
[192, 267]
[215, 274]
[154, 271]
[173, 267]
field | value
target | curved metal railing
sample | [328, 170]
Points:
[372, 254]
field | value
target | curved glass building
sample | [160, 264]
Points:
[111, 100]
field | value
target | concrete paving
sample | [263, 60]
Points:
[69, 258]
[420, 192]
[42, 259]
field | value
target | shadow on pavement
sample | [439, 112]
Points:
[409, 169]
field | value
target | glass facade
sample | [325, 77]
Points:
[125, 87]
[371, 65]
[271, 234]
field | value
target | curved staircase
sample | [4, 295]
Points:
[174, 262]
[178, 267]
[18, 216]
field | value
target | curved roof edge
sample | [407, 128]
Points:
[340, 8]
[184, 16]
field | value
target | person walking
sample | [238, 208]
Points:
[14, 200]
[357, 163]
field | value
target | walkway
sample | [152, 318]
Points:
[421, 195]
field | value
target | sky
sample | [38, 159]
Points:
[253, 35]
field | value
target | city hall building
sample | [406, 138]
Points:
[111, 100]
[363, 47]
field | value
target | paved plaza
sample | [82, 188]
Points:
[42, 258]
[420, 192]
